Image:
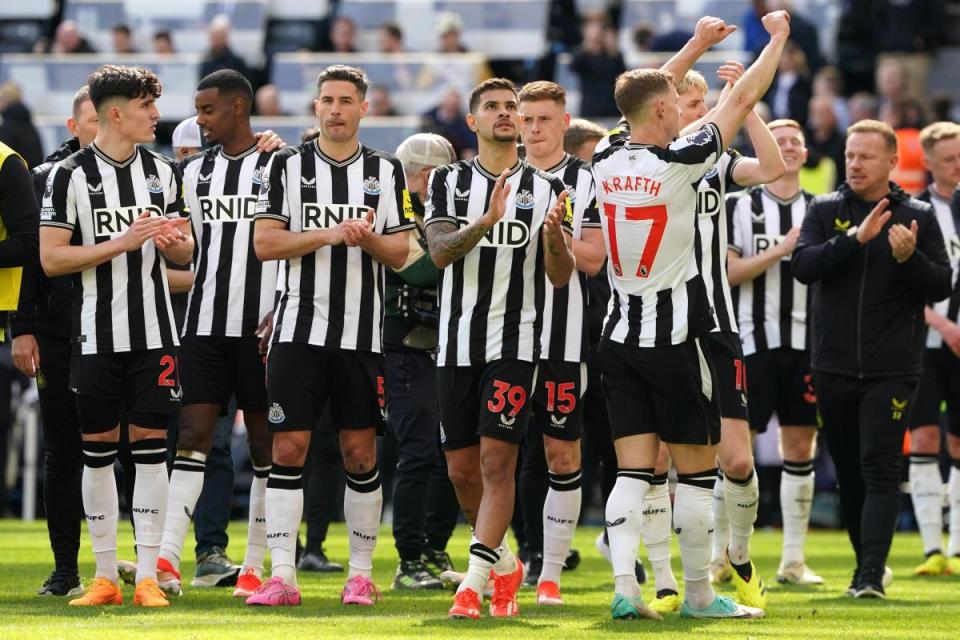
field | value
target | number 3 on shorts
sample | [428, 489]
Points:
[657, 214]
[504, 393]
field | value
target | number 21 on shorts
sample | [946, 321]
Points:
[657, 214]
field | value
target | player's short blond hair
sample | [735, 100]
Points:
[580, 132]
[934, 133]
[786, 122]
[876, 126]
[542, 90]
[634, 89]
[693, 80]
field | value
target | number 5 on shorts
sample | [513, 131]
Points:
[657, 214]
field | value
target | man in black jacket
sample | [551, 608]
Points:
[876, 257]
[41, 334]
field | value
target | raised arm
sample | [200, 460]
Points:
[735, 107]
[768, 166]
[709, 31]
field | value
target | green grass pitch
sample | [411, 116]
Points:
[915, 608]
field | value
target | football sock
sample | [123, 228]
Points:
[561, 510]
[284, 509]
[721, 523]
[657, 530]
[149, 502]
[693, 524]
[482, 559]
[362, 506]
[624, 516]
[953, 547]
[742, 498]
[257, 522]
[99, 489]
[186, 483]
[926, 490]
[796, 499]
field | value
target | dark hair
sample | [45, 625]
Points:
[163, 35]
[121, 28]
[115, 81]
[81, 96]
[346, 74]
[227, 82]
[493, 84]
[393, 29]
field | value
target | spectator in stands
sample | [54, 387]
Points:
[449, 27]
[646, 38]
[598, 62]
[862, 106]
[66, 39]
[824, 138]
[16, 126]
[381, 104]
[266, 101]
[941, 107]
[343, 35]
[802, 32]
[220, 56]
[122, 39]
[449, 120]
[891, 82]
[390, 38]
[856, 45]
[163, 43]
[907, 117]
[909, 32]
[828, 83]
[789, 95]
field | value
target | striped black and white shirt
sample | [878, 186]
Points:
[333, 297]
[123, 304]
[772, 308]
[713, 229]
[491, 300]
[948, 217]
[647, 198]
[564, 335]
[232, 290]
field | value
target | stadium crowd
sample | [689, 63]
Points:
[468, 326]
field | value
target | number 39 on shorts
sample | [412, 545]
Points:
[624, 240]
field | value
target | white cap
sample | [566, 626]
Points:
[426, 149]
[187, 134]
[447, 21]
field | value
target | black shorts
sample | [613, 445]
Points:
[214, 368]
[669, 390]
[939, 383]
[302, 378]
[141, 385]
[489, 400]
[557, 406]
[726, 354]
[781, 381]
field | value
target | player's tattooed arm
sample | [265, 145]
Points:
[448, 243]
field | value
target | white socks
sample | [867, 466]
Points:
[362, 506]
[149, 502]
[953, 546]
[624, 516]
[796, 499]
[284, 509]
[186, 483]
[721, 524]
[257, 522]
[926, 490]
[100, 506]
[482, 559]
[693, 523]
[657, 530]
[561, 510]
[742, 498]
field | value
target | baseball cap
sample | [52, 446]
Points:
[187, 134]
[426, 149]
